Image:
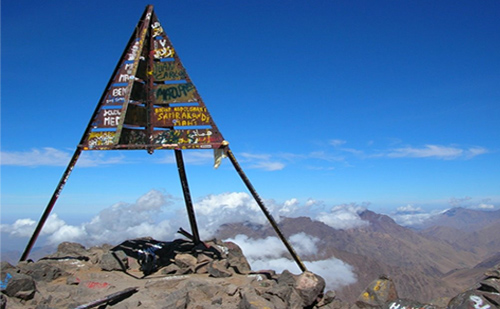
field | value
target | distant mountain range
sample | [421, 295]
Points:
[448, 255]
[444, 257]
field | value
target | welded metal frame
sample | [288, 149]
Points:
[126, 74]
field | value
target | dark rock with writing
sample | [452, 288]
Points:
[470, 299]
[485, 295]
[20, 286]
[378, 293]
[407, 304]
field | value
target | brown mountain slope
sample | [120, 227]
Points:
[467, 220]
[415, 262]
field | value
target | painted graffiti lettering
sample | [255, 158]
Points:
[112, 112]
[170, 93]
[133, 53]
[157, 29]
[162, 50]
[165, 52]
[197, 137]
[168, 71]
[128, 68]
[182, 115]
[119, 92]
[478, 302]
[123, 78]
[115, 100]
[100, 139]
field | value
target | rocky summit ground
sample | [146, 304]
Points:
[144, 273]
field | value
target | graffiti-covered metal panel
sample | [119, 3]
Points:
[175, 93]
[150, 101]
[181, 116]
[169, 70]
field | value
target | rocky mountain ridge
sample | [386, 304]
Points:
[419, 262]
[212, 274]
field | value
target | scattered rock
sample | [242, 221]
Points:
[219, 269]
[114, 260]
[310, 287]
[43, 270]
[378, 293]
[186, 261]
[20, 286]
[236, 258]
[406, 303]
[206, 275]
[485, 295]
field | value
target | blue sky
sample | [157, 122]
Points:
[383, 104]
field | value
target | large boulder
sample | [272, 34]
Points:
[378, 293]
[20, 286]
[114, 260]
[236, 258]
[310, 287]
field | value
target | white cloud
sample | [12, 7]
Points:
[112, 225]
[436, 151]
[267, 253]
[36, 157]
[195, 157]
[214, 210]
[336, 142]
[408, 209]
[49, 156]
[459, 202]
[263, 162]
[343, 217]
[485, 206]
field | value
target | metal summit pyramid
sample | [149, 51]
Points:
[150, 103]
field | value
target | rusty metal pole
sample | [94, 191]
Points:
[187, 196]
[78, 151]
[51, 204]
[270, 218]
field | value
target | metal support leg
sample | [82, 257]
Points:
[51, 204]
[187, 196]
[257, 198]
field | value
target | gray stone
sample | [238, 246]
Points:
[218, 269]
[186, 262]
[42, 270]
[236, 258]
[378, 293]
[406, 303]
[310, 287]
[170, 269]
[21, 286]
[251, 300]
[287, 278]
[114, 260]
